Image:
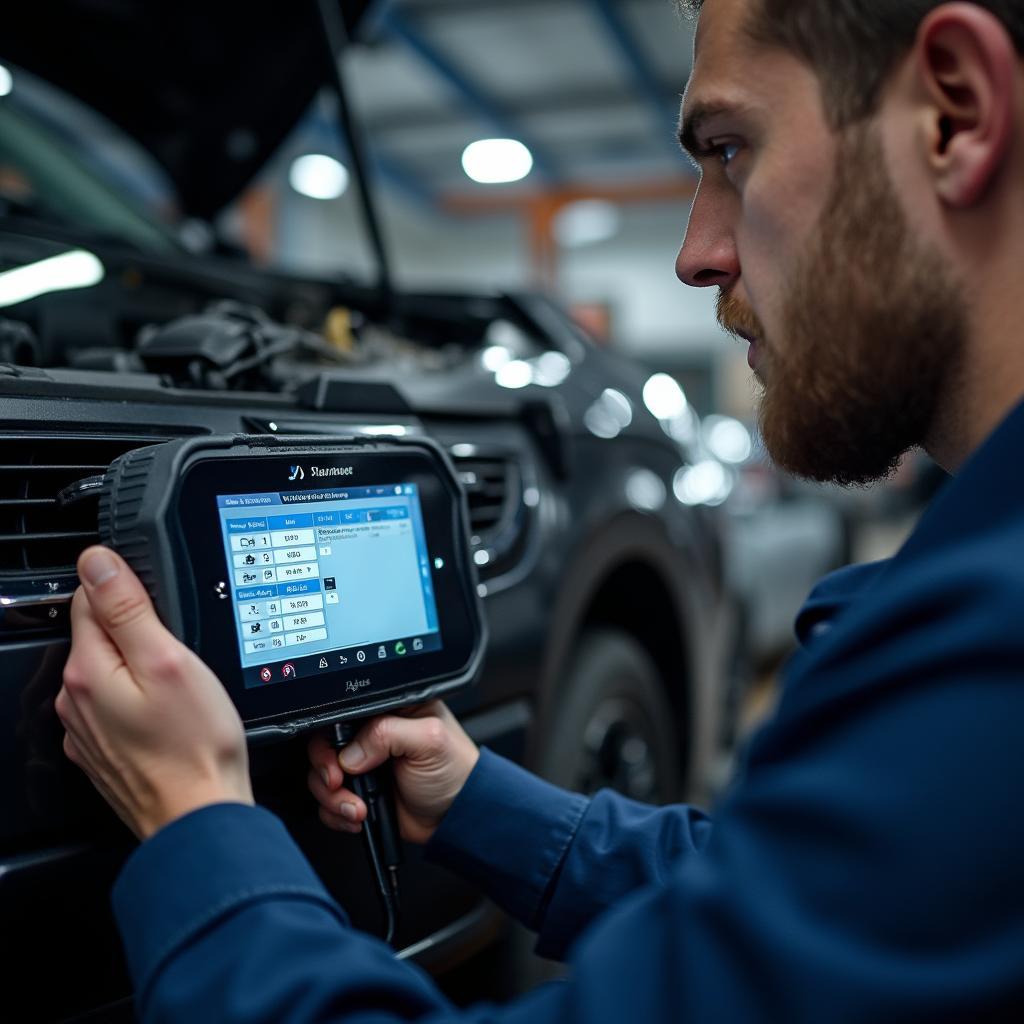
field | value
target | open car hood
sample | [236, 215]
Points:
[209, 87]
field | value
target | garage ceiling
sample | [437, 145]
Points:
[591, 86]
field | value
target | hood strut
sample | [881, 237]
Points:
[336, 40]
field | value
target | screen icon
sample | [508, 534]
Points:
[329, 583]
[400, 648]
[382, 651]
[360, 655]
[288, 670]
[417, 644]
[323, 663]
[265, 674]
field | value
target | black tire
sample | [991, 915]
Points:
[613, 725]
[611, 699]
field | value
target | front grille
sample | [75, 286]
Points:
[493, 482]
[489, 483]
[38, 537]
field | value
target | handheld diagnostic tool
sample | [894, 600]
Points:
[319, 579]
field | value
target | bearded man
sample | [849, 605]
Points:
[861, 211]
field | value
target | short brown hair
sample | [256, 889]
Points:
[853, 45]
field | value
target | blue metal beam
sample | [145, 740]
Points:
[387, 18]
[665, 110]
[406, 183]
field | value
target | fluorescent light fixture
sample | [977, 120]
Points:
[586, 223]
[496, 161]
[318, 176]
[664, 397]
[75, 269]
[6, 81]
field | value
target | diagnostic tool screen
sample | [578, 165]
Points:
[328, 579]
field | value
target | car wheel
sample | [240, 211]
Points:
[612, 726]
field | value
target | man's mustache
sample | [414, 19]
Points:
[738, 319]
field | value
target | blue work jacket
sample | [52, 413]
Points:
[866, 865]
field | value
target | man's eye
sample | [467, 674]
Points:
[726, 152]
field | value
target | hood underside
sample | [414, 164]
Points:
[209, 87]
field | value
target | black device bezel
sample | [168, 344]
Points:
[212, 619]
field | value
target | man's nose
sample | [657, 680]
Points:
[708, 256]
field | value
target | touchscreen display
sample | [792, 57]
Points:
[328, 579]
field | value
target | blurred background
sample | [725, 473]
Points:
[514, 144]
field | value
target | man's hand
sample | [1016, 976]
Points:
[433, 757]
[146, 720]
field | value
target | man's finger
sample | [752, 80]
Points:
[324, 759]
[337, 822]
[336, 801]
[392, 736]
[93, 653]
[77, 729]
[122, 607]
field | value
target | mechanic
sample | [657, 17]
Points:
[861, 211]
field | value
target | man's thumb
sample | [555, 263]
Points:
[121, 605]
[388, 736]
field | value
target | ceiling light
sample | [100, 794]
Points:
[75, 269]
[318, 176]
[494, 161]
[586, 223]
[6, 81]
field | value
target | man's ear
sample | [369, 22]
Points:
[967, 64]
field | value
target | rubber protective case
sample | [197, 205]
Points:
[137, 519]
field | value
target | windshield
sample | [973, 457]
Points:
[44, 182]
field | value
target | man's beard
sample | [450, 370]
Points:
[873, 330]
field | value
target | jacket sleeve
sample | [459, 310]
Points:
[865, 868]
[555, 860]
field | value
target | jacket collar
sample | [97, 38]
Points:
[987, 493]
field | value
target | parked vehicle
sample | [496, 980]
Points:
[603, 591]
